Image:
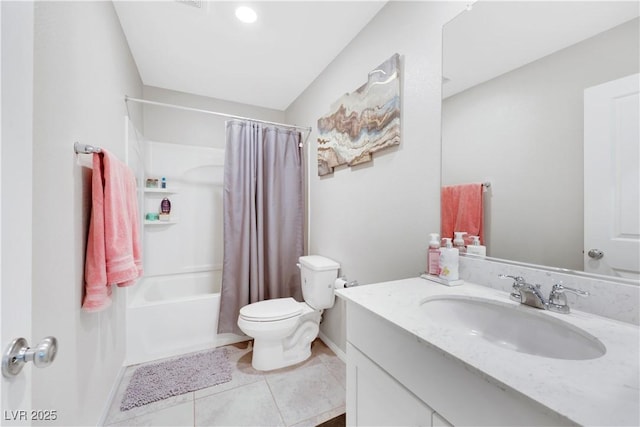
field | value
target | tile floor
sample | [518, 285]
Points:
[306, 394]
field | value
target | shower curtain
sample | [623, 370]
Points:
[263, 217]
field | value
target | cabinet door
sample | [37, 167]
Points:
[438, 421]
[376, 399]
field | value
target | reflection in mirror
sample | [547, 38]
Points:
[514, 82]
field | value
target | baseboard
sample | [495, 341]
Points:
[230, 338]
[112, 395]
[341, 354]
[220, 341]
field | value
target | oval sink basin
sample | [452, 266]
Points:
[518, 328]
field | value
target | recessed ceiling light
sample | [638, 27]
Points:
[246, 14]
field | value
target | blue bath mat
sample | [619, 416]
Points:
[176, 376]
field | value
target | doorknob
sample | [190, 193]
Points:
[595, 253]
[18, 353]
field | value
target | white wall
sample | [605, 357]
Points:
[187, 127]
[375, 219]
[82, 70]
[523, 131]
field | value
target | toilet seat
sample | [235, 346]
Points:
[272, 310]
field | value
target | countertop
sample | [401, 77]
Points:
[601, 391]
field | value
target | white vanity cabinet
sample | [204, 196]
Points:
[438, 421]
[395, 378]
[377, 399]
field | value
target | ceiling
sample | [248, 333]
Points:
[496, 37]
[200, 47]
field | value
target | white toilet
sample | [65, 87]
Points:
[283, 328]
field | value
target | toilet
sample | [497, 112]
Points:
[283, 328]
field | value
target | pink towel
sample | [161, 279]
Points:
[113, 244]
[461, 210]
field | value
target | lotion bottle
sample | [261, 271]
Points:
[458, 242]
[449, 261]
[433, 255]
[475, 248]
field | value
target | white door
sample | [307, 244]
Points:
[612, 178]
[16, 113]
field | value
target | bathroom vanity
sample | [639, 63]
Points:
[412, 360]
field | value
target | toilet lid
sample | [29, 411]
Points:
[272, 309]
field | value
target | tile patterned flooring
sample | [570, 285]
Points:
[306, 394]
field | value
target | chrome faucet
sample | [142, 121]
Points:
[528, 294]
[525, 293]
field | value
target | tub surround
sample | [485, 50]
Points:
[619, 301]
[182, 257]
[601, 391]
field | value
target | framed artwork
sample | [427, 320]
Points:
[362, 122]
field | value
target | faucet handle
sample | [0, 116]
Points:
[560, 288]
[517, 280]
[558, 299]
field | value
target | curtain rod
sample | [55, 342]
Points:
[215, 113]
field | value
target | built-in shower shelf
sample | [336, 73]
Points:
[146, 222]
[160, 190]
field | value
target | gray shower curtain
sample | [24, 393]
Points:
[263, 217]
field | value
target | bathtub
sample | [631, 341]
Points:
[174, 314]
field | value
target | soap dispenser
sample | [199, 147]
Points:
[449, 261]
[433, 255]
[475, 248]
[458, 242]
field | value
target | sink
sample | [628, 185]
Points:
[517, 328]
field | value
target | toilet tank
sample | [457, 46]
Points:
[318, 275]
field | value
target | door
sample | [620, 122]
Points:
[16, 113]
[612, 178]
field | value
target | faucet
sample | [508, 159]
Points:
[528, 294]
[525, 293]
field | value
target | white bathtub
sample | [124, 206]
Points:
[174, 314]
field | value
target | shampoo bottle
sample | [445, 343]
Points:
[448, 261]
[165, 210]
[476, 248]
[458, 241]
[433, 255]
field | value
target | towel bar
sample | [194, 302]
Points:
[85, 148]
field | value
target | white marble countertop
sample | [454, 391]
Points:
[601, 391]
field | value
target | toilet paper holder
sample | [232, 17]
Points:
[342, 282]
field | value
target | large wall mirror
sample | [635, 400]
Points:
[513, 114]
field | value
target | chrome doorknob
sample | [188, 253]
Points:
[18, 353]
[595, 253]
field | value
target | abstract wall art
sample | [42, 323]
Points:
[363, 122]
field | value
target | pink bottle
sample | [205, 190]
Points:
[433, 255]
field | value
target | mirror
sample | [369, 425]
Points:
[514, 75]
